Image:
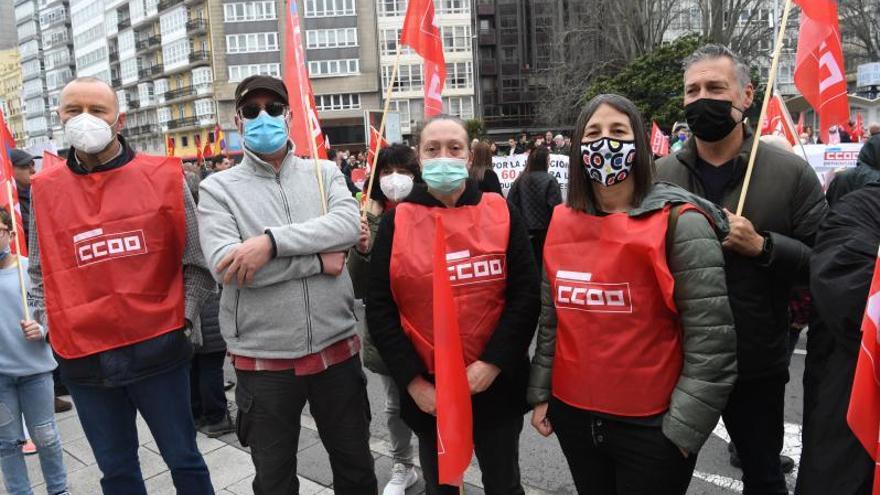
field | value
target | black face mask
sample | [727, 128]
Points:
[710, 119]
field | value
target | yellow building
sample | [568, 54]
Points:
[10, 94]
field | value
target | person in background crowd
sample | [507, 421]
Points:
[811, 134]
[680, 134]
[846, 132]
[26, 384]
[873, 128]
[522, 144]
[481, 169]
[130, 353]
[567, 140]
[345, 168]
[804, 138]
[867, 170]
[548, 141]
[497, 317]
[266, 235]
[533, 195]
[539, 141]
[493, 148]
[512, 146]
[836, 135]
[225, 164]
[560, 146]
[398, 170]
[766, 252]
[841, 267]
[23, 169]
[632, 389]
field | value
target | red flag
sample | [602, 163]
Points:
[169, 145]
[7, 184]
[455, 439]
[659, 141]
[422, 34]
[198, 141]
[376, 142]
[859, 131]
[800, 124]
[302, 102]
[819, 70]
[50, 161]
[777, 122]
[863, 416]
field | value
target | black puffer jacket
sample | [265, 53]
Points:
[785, 204]
[533, 196]
[212, 340]
[867, 171]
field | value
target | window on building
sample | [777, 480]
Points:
[204, 107]
[27, 29]
[126, 43]
[391, 8]
[172, 24]
[460, 106]
[456, 38]
[89, 35]
[329, 8]
[332, 68]
[202, 76]
[451, 6]
[459, 75]
[91, 58]
[409, 77]
[176, 54]
[184, 140]
[326, 103]
[239, 72]
[388, 42]
[128, 70]
[402, 108]
[249, 11]
[251, 42]
[163, 115]
[331, 38]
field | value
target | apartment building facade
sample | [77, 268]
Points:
[10, 94]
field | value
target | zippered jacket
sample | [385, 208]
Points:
[291, 309]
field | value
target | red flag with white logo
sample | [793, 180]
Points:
[659, 141]
[199, 156]
[819, 71]
[455, 439]
[8, 187]
[777, 122]
[422, 34]
[305, 124]
[376, 142]
[858, 131]
[863, 416]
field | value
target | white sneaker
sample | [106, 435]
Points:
[402, 477]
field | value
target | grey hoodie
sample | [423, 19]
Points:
[291, 309]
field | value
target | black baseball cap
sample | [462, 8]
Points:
[20, 158]
[254, 83]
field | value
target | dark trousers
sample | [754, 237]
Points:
[497, 450]
[269, 407]
[754, 419]
[206, 383]
[610, 457]
[108, 419]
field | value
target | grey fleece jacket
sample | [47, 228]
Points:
[709, 341]
[291, 309]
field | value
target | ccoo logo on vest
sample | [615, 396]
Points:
[95, 246]
[465, 269]
[576, 290]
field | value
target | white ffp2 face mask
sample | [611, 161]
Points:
[88, 133]
[396, 187]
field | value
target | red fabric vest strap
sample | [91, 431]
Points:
[476, 239]
[111, 245]
[618, 340]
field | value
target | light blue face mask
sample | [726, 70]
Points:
[444, 175]
[265, 134]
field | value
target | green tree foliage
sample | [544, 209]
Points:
[476, 128]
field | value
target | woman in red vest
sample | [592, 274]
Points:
[636, 347]
[495, 285]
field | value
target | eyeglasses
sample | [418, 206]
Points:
[252, 110]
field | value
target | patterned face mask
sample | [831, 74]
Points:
[608, 161]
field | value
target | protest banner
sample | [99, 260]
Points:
[509, 168]
[826, 159]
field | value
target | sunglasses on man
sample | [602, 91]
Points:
[252, 110]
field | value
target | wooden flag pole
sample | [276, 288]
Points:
[768, 93]
[388, 94]
[314, 150]
[24, 305]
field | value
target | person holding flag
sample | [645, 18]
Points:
[287, 307]
[766, 252]
[118, 278]
[844, 258]
[635, 354]
[495, 287]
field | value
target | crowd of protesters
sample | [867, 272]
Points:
[656, 310]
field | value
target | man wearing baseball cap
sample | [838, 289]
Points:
[286, 311]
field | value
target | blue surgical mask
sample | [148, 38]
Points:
[265, 134]
[444, 175]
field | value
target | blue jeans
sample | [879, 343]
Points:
[32, 396]
[108, 419]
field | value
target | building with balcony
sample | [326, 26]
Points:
[8, 40]
[456, 27]
[10, 94]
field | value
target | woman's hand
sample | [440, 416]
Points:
[363, 245]
[540, 422]
[424, 394]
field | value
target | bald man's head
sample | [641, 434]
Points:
[89, 95]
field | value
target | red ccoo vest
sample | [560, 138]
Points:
[618, 340]
[476, 239]
[111, 245]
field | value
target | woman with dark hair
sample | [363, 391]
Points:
[481, 169]
[397, 169]
[636, 351]
[495, 286]
[533, 195]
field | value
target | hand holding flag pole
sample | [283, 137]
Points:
[768, 93]
[388, 95]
